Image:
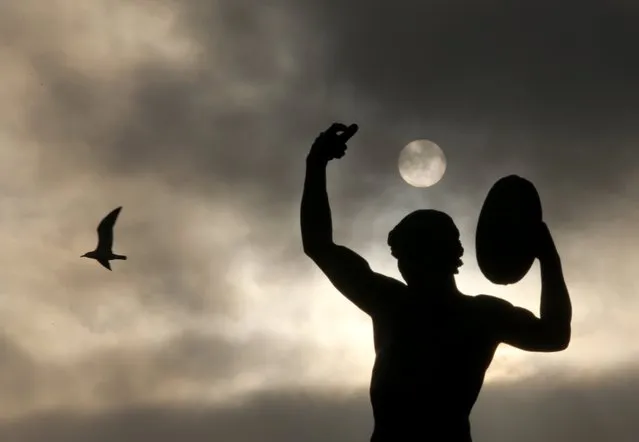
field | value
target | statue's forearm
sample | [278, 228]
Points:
[315, 214]
[556, 308]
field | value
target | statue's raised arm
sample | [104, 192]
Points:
[347, 271]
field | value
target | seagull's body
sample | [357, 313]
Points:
[103, 253]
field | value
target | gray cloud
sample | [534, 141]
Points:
[588, 411]
[164, 372]
[520, 63]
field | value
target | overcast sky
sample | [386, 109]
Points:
[196, 116]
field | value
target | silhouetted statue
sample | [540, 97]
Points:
[103, 253]
[433, 344]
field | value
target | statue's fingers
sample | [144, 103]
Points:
[336, 127]
[349, 132]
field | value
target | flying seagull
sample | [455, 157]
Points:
[103, 253]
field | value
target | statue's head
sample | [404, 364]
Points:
[426, 244]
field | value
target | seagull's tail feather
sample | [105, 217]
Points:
[122, 257]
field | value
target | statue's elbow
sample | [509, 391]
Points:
[310, 249]
[316, 248]
[563, 339]
[308, 245]
[556, 336]
[314, 252]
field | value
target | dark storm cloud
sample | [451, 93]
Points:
[239, 116]
[571, 63]
[538, 88]
[545, 89]
[590, 412]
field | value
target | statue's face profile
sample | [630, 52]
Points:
[426, 243]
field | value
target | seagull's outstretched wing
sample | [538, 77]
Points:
[105, 263]
[105, 230]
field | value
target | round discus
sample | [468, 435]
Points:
[507, 229]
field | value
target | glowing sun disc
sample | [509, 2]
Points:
[422, 163]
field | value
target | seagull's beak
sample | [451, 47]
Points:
[83, 256]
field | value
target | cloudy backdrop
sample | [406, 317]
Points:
[196, 116]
